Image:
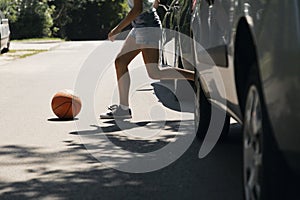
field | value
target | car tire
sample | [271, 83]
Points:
[203, 112]
[262, 161]
[6, 49]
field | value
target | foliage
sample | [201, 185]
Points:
[28, 18]
[87, 19]
[68, 19]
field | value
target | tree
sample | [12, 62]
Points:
[69, 19]
[87, 19]
[28, 18]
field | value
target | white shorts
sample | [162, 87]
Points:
[147, 36]
[147, 29]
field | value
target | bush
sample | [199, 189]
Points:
[88, 19]
[68, 19]
[28, 18]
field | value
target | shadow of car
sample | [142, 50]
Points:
[246, 59]
[4, 34]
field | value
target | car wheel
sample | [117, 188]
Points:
[6, 49]
[253, 143]
[203, 111]
[262, 161]
[8, 45]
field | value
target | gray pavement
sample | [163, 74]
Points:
[44, 158]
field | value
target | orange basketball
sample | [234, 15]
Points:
[65, 104]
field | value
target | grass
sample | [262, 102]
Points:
[23, 53]
[38, 39]
[31, 52]
[17, 54]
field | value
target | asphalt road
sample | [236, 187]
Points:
[45, 158]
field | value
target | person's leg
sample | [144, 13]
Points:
[151, 58]
[128, 52]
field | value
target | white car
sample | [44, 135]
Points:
[254, 76]
[4, 33]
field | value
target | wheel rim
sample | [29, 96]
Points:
[253, 143]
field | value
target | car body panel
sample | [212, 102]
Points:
[275, 29]
[169, 22]
[214, 35]
[176, 47]
[279, 51]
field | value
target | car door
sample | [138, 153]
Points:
[212, 36]
[170, 38]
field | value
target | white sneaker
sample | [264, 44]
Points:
[116, 112]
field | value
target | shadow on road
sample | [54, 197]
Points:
[140, 144]
[61, 120]
[218, 176]
[166, 94]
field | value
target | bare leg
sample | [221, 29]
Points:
[151, 58]
[128, 52]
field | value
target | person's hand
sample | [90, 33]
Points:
[113, 34]
[156, 4]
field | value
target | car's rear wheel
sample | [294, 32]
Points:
[6, 49]
[253, 145]
[203, 113]
[262, 162]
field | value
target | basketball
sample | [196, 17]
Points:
[65, 104]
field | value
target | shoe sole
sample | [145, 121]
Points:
[116, 117]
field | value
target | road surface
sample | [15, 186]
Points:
[45, 158]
